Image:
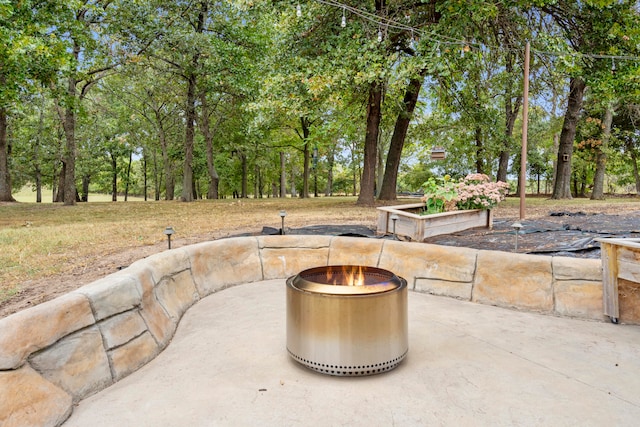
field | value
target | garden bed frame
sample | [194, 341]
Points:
[409, 223]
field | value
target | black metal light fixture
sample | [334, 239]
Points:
[394, 218]
[283, 213]
[169, 231]
[517, 227]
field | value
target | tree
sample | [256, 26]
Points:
[155, 98]
[5, 151]
[588, 27]
[389, 184]
[199, 47]
[562, 187]
[397, 42]
[83, 27]
[36, 137]
[601, 156]
[298, 88]
[374, 115]
[28, 55]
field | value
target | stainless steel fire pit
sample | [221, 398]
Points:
[347, 320]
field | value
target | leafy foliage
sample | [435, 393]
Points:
[144, 93]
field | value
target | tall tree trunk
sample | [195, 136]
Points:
[511, 113]
[556, 149]
[562, 187]
[511, 109]
[556, 136]
[381, 150]
[636, 174]
[38, 177]
[156, 176]
[169, 183]
[69, 125]
[356, 170]
[126, 186]
[390, 181]
[601, 156]
[207, 132]
[214, 178]
[293, 181]
[257, 182]
[37, 171]
[114, 178]
[187, 173]
[634, 163]
[315, 180]
[330, 162]
[86, 180]
[187, 178]
[68, 118]
[304, 123]
[374, 115]
[245, 175]
[59, 197]
[283, 176]
[144, 174]
[516, 170]
[479, 150]
[5, 176]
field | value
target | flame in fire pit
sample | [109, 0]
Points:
[346, 280]
[348, 276]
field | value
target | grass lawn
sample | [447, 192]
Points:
[39, 240]
[46, 240]
[28, 195]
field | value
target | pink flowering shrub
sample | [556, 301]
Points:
[475, 191]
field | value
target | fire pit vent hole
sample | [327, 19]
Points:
[349, 371]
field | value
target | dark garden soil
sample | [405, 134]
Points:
[569, 234]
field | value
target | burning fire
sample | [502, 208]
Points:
[348, 276]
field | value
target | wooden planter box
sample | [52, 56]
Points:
[621, 279]
[418, 227]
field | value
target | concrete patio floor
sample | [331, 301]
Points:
[468, 364]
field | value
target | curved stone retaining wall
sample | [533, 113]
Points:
[59, 352]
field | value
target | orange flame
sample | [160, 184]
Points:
[349, 276]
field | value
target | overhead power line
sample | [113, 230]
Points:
[440, 39]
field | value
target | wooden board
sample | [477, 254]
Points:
[621, 264]
[418, 227]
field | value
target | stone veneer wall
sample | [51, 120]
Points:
[61, 351]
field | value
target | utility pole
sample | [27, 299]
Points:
[525, 123]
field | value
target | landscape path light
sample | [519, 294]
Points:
[517, 227]
[394, 218]
[282, 215]
[169, 231]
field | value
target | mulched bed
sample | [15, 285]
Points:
[570, 234]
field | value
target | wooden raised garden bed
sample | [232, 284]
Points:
[411, 224]
[621, 279]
